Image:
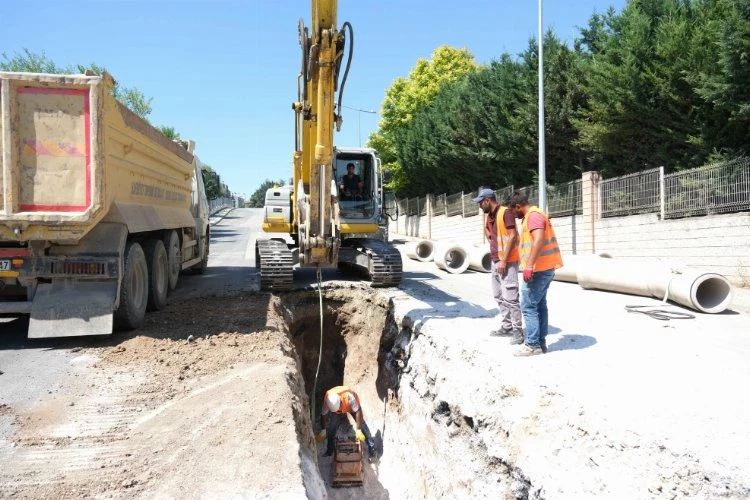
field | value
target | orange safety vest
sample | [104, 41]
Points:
[503, 236]
[549, 255]
[342, 391]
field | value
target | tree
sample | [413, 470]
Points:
[129, 96]
[407, 95]
[27, 61]
[169, 132]
[211, 181]
[258, 198]
[641, 105]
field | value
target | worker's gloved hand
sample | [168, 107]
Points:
[528, 273]
[360, 435]
[321, 436]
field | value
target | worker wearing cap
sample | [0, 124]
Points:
[500, 228]
[337, 402]
[540, 256]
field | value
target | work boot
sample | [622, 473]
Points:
[518, 337]
[527, 350]
[501, 332]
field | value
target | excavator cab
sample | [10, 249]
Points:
[357, 183]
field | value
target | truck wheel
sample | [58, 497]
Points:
[158, 274]
[200, 268]
[133, 289]
[174, 258]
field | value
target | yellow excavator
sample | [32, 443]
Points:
[333, 211]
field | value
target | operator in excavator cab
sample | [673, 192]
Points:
[337, 402]
[351, 184]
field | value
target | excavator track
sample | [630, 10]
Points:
[384, 264]
[275, 263]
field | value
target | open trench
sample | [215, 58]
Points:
[426, 447]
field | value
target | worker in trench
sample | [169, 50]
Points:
[337, 403]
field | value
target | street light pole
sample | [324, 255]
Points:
[359, 119]
[542, 166]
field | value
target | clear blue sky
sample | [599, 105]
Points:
[223, 72]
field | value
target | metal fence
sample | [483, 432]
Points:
[637, 193]
[719, 188]
[454, 205]
[565, 199]
[219, 204]
[713, 189]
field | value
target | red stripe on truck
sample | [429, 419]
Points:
[14, 252]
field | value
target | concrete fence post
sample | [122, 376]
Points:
[428, 203]
[590, 210]
[662, 194]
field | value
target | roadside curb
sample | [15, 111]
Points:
[219, 216]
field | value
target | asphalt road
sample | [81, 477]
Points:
[32, 368]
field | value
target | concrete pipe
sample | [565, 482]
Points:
[699, 290]
[421, 250]
[480, 259]
[451, 257]
[571, 263]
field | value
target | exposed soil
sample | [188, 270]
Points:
[202, 400]
[211, 398]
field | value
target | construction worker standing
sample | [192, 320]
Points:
[540, 256]
[500, 229]
[337, 402]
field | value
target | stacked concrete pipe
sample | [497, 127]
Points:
[697, 289]
[480, 258]
[421, 250]
[451, 256]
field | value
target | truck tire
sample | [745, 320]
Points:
[133, 289]
[174, 258]
[158, 274]
[200, 268]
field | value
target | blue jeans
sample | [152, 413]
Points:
[534, 307]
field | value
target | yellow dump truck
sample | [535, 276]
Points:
[99, 211]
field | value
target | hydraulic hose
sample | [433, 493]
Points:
[348, 63]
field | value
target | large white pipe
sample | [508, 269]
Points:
[571, 263]
[480, 259]
[700, 290]
[421, 250]
[451, 256]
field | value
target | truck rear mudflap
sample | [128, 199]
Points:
[68, 308]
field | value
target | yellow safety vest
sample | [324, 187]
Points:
[549, 255]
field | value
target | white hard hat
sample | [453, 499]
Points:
[333, 401]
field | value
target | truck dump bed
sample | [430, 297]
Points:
[72, 156]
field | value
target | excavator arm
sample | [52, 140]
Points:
[316, 213]
[327, 232]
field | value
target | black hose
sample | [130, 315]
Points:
[660, 314]
[348, 62]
